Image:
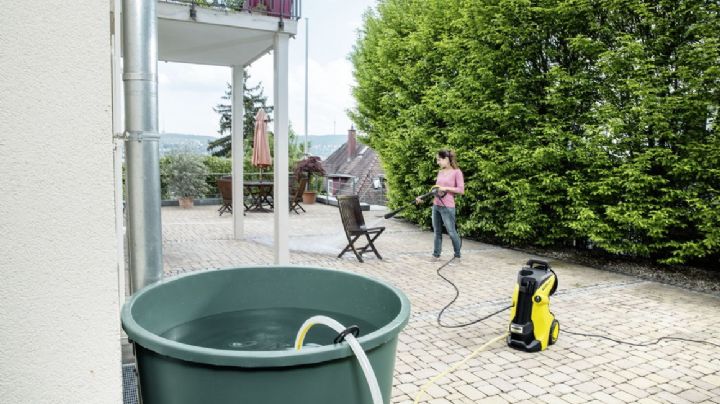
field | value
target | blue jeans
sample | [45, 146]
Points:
[443, 215]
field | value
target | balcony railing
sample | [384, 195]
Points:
[289, 9]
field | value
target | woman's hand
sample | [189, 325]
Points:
[418, 200]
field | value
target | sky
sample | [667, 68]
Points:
[187, 93]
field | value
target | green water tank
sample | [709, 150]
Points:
[205, 337]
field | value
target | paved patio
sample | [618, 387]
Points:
[575, 370]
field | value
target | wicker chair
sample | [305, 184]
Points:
[354, 225]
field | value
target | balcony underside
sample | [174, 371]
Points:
[216, 37]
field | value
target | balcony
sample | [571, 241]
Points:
[222, 32]
[235, 33]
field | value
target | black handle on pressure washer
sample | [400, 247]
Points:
[542, 264]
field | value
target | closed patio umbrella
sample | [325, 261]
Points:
[261, 146]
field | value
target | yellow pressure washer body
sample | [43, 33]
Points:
[532, 326]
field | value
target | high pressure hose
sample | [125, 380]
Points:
[357, 349]
[482, 347]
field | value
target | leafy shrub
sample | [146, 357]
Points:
[217, 167]
[309, 166]
[186, 175]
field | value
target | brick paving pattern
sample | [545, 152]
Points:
[575, 370]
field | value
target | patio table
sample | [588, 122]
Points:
[259, 196]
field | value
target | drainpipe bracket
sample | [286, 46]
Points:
[140, 136]
[130, 76]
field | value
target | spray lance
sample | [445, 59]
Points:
[434, 191]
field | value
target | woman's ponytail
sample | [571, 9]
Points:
[450, 155]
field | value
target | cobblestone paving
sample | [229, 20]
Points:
[575, 370]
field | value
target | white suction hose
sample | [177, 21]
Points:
[357, 349]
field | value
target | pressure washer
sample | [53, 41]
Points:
[532, 325]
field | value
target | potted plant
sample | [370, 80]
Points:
[186, 176]
[307, 167]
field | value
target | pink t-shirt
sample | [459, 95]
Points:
[454, 180]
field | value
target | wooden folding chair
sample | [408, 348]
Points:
[225, 186]
[354, 225]
[297, 196]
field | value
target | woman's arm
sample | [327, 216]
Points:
[459, 182]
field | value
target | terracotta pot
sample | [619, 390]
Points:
[309, 197]
[185, 203]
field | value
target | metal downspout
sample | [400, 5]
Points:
[144, 230]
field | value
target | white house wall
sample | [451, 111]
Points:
[59, 328]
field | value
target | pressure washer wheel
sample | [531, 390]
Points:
[554, 332]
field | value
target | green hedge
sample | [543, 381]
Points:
[216, 167]
[575, 122]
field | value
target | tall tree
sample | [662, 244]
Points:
[253, 100]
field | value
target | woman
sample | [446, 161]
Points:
[449, 183]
